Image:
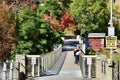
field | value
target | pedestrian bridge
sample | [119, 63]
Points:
[69, 70]
[58, 65]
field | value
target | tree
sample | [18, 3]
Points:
[55, 25]
[56, 10]
[116, 17]
[7, 29]
[90, 15]
[57, 7]
[68, 22]
[34, 33]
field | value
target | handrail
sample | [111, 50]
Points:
[9, 72]
[86, 65]
[48, 60]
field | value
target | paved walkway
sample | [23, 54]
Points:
[69, 70]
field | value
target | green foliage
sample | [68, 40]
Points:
[116, 57]
[91, 15]
[34, 34]
[90, 51]
[56, 7]
[116, 22]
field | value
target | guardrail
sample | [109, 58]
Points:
[37, 65]
[116, 71]
[48, 60]
[88, 65]
[9, 71]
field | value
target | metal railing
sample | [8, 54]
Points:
[48, 60]
[116, 72]
[9, 70]
[37, 65]
[88, 65]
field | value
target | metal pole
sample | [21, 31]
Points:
[111, 53]
[111, 25]
[111, 22]
[111, 50]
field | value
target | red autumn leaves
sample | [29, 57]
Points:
[66, 22]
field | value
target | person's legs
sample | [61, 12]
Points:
[77, 59]
[74, 59]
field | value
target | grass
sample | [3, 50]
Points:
[116, 55]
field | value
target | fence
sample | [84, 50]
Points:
[88, 65]
[9, 71]
[116, 71]
[33, 63]
[37, 65]
[48, 60]
[111, 71]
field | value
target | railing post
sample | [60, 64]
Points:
[33, 71]
[4, 77]
[83, 67]
[38, 66]
[89, 63]
[113, 72]
[118, 70]
[89, 71]
[41, 66]
[103, 67]
[11, 71]
[18, 69]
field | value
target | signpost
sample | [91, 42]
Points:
[111, 39]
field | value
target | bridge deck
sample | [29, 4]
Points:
[69, 70]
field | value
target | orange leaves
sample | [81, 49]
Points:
[66, 22]
[54, 22]
[7, 28]
[51, 19]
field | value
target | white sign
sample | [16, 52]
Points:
[111, 31]
[33, 60]
[89, 60]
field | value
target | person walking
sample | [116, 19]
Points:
[77, 56]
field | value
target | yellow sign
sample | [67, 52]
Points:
[111, 42]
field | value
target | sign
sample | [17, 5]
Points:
[111, 31]
[111, 42]
[89, 60]
[33, 60]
